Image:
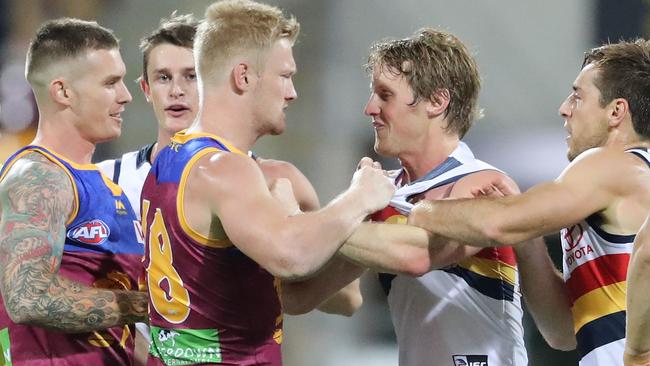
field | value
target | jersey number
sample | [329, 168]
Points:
[168, 296]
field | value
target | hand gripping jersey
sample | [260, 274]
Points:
[595, 272]
[466, 314]
[101, 250]
[209, 303]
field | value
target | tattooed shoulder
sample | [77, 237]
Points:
[36, 198]
[37, 187]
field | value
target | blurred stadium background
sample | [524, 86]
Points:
[528, 52]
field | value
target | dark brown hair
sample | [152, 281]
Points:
[624, 72]
[177, 30]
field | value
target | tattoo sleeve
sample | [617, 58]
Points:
[36, 198]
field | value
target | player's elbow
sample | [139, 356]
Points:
[16, 316]
[19, 310]
[641, 255]
[561, 342]
[298, 299]
[288, 269]
[416, 264]
[345, 303]
[23, 318]
[290, 265]
[295, 258]
[350, 304]
[559, 336]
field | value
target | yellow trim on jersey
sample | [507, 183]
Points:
[490, 268]
[52, 158]
[598, 303]
[181, 138]
[115, 189]
[214, 243]
[72, 163]
[397, 220]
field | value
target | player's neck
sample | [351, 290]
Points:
[164, 137]
[426, 156]
[226, 128]
[625, 139]
[226, 115]
[64, 140]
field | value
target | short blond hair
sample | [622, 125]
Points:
[237, 27]
[432, 60]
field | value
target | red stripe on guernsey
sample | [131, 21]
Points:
[385, 214]
[502, 254]
[602, 271]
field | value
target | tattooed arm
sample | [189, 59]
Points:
[36, 198]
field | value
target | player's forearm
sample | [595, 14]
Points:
[300, 297]
[306, 242]
[68, 306]
[545, 294]
[482, 222]
[638, 307]
[35, 294]
[344, 302]
[630, 359]
[389, 248]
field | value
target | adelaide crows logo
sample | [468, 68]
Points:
[90, 232]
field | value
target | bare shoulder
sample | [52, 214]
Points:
[39, 191]
[605, 167]
[482, 179]
[223, 174]
[607, 159]
[222, 168]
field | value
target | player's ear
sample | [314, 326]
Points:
[241, 77]
[59, 91]
[144, 86]
[618, 109]
[438, 103]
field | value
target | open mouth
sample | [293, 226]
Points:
[117, 116]
[177, 110]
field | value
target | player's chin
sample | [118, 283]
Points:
[177, 124]
[109, 135]
[574, 152]
[383, 149]
[278, 129]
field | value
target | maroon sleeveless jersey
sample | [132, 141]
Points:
[102, 249]
[209, 303]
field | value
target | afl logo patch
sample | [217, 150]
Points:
[90, 232]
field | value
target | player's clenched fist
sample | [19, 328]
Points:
[374, 188]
